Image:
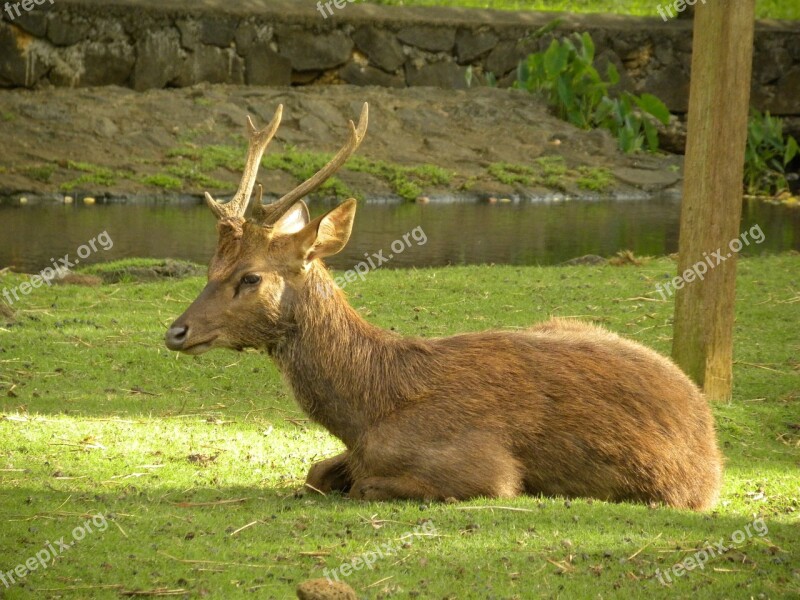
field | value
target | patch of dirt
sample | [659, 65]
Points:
[46, 132]
[166, 269]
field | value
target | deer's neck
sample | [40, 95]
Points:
[345, 372]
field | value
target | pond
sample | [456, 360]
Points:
[436, 234]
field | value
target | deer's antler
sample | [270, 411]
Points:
[269, 214]
[259, 140]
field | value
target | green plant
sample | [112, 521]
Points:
[94, 174]
[510, 173]
[566, 76]
[767, 154]
[167, 182]
[40, 172]
[595, 179]
[302, 165]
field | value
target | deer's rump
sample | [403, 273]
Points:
[562, 409]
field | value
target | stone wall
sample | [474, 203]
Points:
[167, 43]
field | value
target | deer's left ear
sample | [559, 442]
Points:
[328, 234]
[294, 220]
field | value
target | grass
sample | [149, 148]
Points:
[93, 175]
[773, 9]
[194, 162]
[595, 179]
[193, 461]
[40, 172]
[552, 172]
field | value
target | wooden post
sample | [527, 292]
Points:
[711, 209]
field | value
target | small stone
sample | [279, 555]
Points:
[68, 199]
[23, 200]
[323, 589]
[89, 200]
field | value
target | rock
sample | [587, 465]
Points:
[443, 74]
[427, 37]
[213, 65]
[158, 59]
[382, 49]
[248, 35]
[263, 66]
[218, 31]
[473, 44]
[672, 138]
[105, 127]
[20, 63]
[671, 85]
[190, 33]
[107, 64]
[787, 92]
[323, 589]
[34, 22]
[66, 31]
[358, 75]
[314, 52]
[504, 58]
[646, 179]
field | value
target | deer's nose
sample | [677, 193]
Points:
[176, 337]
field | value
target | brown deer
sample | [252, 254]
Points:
[563, 408]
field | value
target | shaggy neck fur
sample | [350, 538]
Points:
[343, 370]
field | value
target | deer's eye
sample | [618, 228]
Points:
[251, 279]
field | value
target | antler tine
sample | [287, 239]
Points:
[259, 140]
[269, 214]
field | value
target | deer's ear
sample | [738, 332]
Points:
[294, 220]
[328, 234]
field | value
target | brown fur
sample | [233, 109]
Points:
[564, 408]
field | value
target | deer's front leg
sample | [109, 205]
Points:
[331, 474]
[392, 488]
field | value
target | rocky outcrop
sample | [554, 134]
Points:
[164, 43]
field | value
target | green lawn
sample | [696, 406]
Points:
[771, 9]
[189, 464]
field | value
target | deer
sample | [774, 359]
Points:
[564, 408]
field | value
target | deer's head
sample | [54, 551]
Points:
[264, 255]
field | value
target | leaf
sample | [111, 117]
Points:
[791, 150]
[612, 74]
[588, 48]
[555, 59]
[651, 133]
[545, 29]
[652, 105]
